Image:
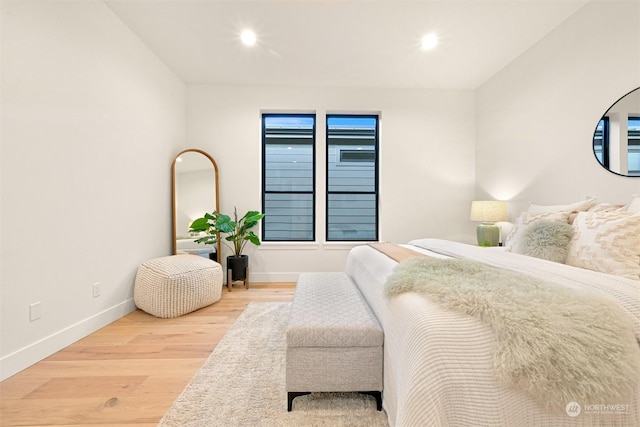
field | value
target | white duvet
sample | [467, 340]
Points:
[438, 364]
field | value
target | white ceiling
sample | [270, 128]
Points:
[342, 43]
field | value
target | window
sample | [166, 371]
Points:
[601, 142]
[357, 156]
[352, 178]
[288, 197]
[633, 135]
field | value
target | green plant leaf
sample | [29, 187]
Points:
[252, 218]
[253, 238]
[200, 224]
[224, 224]
[207, 240]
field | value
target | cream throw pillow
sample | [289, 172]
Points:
[634, 206]
[607, 241]
[526, 219]
[606, 207]
[571, 207]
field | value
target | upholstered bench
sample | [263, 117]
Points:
[334, 341]
[175, 285]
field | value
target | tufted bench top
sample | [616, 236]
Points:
[329, 311]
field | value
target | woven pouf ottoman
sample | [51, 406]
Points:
[175, 285]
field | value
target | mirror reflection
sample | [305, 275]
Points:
[195, 191]
[616, 140]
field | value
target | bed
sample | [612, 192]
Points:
[188, 245]
[439, 364]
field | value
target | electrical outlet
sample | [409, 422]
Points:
[96, 289]
[35, 311]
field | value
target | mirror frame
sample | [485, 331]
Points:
[173, 194]
[593, 139]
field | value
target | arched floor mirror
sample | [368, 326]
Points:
[195, 191]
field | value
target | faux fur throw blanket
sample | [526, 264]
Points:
[559, 344]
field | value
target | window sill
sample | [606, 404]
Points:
[288, 246]
[310, 246]
[337, 246]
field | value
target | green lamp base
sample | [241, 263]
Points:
[488, 234]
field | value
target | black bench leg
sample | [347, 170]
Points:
[377, 395]
[292, 395]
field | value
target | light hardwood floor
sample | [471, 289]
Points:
[129, 372]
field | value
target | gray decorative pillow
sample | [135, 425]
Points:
[546, 240]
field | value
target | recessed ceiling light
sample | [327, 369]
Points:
[248, 37]
[429, 41]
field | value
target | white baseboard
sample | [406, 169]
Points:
[273, 277]
[33, 353]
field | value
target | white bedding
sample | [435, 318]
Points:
[188, 245]
[438, 364]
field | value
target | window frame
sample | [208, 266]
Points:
[263, 132]
[635, 172]
[605, 142]
[375, 192]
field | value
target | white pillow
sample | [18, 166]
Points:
[634, 206]
[605, 207]
[527, 218]
[571, 207]
[606, 241]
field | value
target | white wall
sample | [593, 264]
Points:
[426, 170]
[91, 120]
[536, 118]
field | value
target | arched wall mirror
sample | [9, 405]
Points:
[616, 140]
[195, 191]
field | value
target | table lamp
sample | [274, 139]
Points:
[488, 212]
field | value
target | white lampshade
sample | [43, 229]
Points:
[488, 210]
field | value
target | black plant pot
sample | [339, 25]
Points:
[238, 266]
[213, 256]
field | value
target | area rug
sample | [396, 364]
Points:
[243, 383]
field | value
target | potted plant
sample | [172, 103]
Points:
[211, 236]
[238, 234]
